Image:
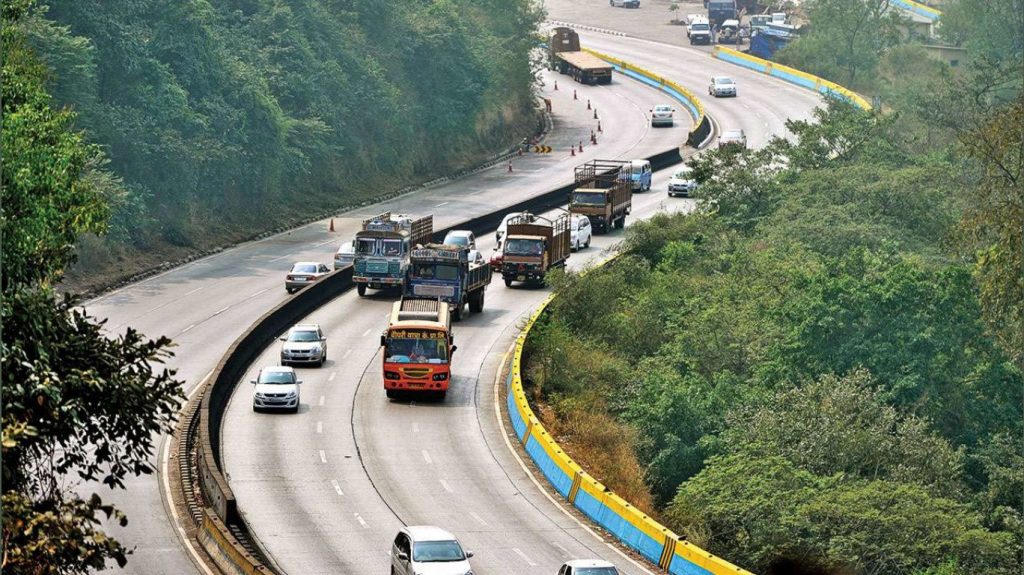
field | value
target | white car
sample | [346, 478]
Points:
[304, 343]
[588, 567]
[476, 258]
[722, 86]
[580, 233]
[732, 138]
[682, 182]
[661, 115]
[427, 550]
[303, 274]
[464, 238]
[345, 255]
[276, 387]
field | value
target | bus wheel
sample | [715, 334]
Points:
[391, 393]
[441, 394]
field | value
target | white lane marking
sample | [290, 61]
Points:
[444, 484]
[321, 400]
[478, 518]
[319, 427]
[415, 427]
[361, 521]
[264, 290]
[565, 551]
[337, 487]
[221, 310]
[441, 204]
[332, 376]
[348, 352]
[278, 258]
[426, 457]
[367, 332]
[323, 456]
[323, 243]
[525, 558]
[186, 329]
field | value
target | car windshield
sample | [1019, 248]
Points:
[418, 347]
[682, 174]
[365, 246]
[436, 551]
[277, 377]
[578, 224]
[346, 248]
[662, 109]
[595, 571]
[436, 272]
[391, 247]
[723, 81]
[303, 335]
[524, 247]
[304, 268]
[588, 198]
[701, 26]
[457, 240]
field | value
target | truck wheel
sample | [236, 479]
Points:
[476, 301]
[361, 289]
[457, 312]
[508, 282]
[619, 223]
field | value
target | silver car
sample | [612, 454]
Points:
[732, 138]
[303, 274]
[345, 256]
[661, 115]
[427, 550]
[722, 86]
[464, 238]
[588, 567]
[276, 387]
[304, 344]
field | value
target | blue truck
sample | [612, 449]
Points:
[445, 272]
[383, 249]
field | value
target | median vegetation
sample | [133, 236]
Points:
[821, 368]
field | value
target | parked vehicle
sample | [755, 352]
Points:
[303, 274]
[462, 238]
[276, 387]
[682, 182]
[700, 32]
[531, 248]
[382, 249]
[580, 232]
[662, 115]
[603, 193]
[588, 567]
[732, 138]
[729, 32]
[692, 19]
[721, 10]
[417, 348]
[565, 55]
[304, 343]
[722, 86]
[427, 550]
[625, 3]
[445, 272]
[345, 255]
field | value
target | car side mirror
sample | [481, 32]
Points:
[403, 556]
[283, 338]
[252, 381]
[469, 554]
[454, 347]
[298, 381]
[323, 339]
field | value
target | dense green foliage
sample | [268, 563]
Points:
[77, 405]
[249, 111]
[804, 362]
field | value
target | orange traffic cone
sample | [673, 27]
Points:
[595, 113]
[510, 167]
[593, 138]
[331, 228]
[574, 94]
[556, 85]
[599, 130]
[572, 151]
[588, 103]
[581, 146]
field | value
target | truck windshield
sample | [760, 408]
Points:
[524, 247]
[391, 247]
[417, 346]
[442, 272]
[588, 198]
[364, 246]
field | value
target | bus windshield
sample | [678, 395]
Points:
[443, 272]
[416, 346]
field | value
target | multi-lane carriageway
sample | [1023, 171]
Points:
[325, 490]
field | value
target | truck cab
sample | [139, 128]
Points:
[382, 249]
[417, 348]
[531, 249]
[445, 272]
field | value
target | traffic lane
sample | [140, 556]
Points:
[652, 20]
[332, 520]
[762, 106]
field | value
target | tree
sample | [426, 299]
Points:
[76, 404]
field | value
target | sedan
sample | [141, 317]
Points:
[345, 256]
[303, 274]
[304, 344]
[661, 115]
[722, 86]
[682, 182]
[463, 238]
[588, 567]
[426, 550]
[580, 233]
[276, 387]
[732, 138]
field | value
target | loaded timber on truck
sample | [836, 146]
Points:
[565, 55]
[445, 272]
[603, 193]
[532, 247]
[383, 247]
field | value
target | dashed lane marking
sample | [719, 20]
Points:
[319, 427]
[337, 487]
[361, 521]
[426, 457]
[323, 456]
[445, 485]
[525, 558]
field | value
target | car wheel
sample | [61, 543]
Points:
[295, 409]
[322, 361]
[289, 290]
[255, 409]
[588, 242]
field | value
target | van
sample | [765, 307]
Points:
[640, 175]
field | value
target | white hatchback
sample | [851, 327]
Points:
[682, 182]
[427, 550]
[661, 115]
[580, 233]
[588, 567]
[276, 387]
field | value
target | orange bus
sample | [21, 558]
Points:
[418, 348]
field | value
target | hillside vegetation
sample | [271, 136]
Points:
[822, 368]
[223, 119]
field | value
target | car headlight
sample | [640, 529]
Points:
[259, 396]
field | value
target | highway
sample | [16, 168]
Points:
[328, 497]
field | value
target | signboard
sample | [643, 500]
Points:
[416, 334]
[433, 253]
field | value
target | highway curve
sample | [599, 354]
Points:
[274, 463]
